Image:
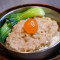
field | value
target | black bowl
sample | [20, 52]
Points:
[50, 11]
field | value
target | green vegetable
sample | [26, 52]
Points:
[12, 19]
[11, 23]
[4, 32]
[32, 12]
[15, 16]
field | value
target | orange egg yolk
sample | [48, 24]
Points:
[31, 26]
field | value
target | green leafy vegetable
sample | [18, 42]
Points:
[4, 32]
[14, 16]
[32, 12]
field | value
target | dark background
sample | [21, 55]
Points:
[4, 4]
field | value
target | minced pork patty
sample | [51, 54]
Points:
[21, 41]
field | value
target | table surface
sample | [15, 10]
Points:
[5, 4]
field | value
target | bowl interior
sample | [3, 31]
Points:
[48, 13]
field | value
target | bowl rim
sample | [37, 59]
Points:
[26, 5]
[35, 4]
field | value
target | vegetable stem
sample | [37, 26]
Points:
[4, 32]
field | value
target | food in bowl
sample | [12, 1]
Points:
[31, 31]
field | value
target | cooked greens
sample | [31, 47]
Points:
[12, 19]
[32, 12]
[4, 32]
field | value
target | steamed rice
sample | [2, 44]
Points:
[21, 41]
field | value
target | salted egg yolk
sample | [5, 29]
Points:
[31, 26]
